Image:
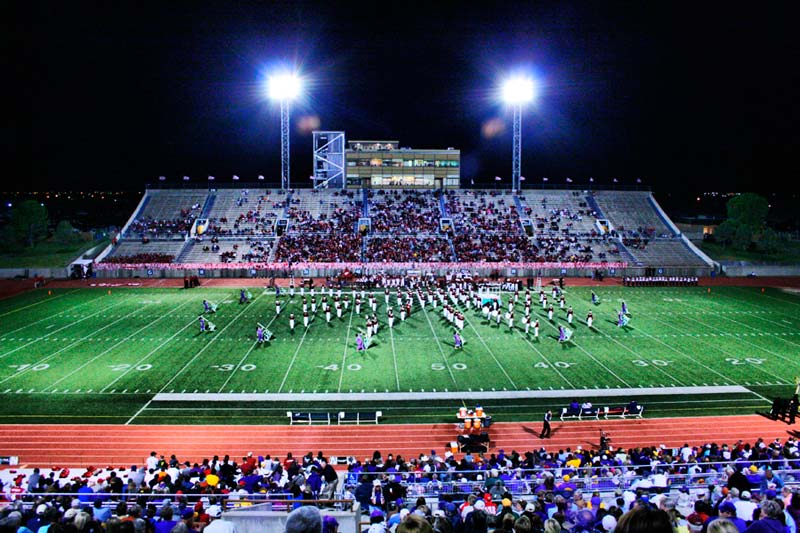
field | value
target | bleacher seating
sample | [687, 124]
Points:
[249, 250]
[168, 214]
[400, 212]
[246, 212]
[129, 248]
[632, 211]
[666, 253]
[485, 225]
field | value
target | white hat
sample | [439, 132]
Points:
[480, 504]
[609, 522]
[41, 508]
[214, 511]
[376, 482]
[530, 508]
[70, 514]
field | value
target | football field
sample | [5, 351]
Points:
[121, 355]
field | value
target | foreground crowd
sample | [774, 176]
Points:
[574, 490]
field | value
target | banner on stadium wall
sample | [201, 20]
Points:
[365, 267]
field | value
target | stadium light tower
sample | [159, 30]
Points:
[284, 88]
[516, 92]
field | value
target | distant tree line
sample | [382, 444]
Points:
[746, 226]
[29, 224]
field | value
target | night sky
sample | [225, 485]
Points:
[111, 95]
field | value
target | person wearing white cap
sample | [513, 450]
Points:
[217, 524]
[609, 523]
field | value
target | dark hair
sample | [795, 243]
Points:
[644, 520]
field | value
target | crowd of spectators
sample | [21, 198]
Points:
[577, 488]
[151, 228]
[494, 247]
[323, 212]
[330, 247]
[258, 220]
[482, 211]
[144, 257]
[404, 212]
[414, 249]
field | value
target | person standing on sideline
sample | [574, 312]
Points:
[545, 434]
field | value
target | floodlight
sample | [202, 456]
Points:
[518, 90]
[283, 86]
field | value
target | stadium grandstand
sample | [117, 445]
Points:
[387, 226]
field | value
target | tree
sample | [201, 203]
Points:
[29, 221]
[746, 223]
[749, 209]
[65, 233]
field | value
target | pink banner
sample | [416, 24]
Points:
[353, 266]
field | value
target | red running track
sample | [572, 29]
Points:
[107, 445]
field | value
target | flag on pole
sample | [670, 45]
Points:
[544, 179]
[615, 180]
[638, 180]
[211, 178]
[235, 177]
[522, 178]
[186, 178]
[261, 178]
[497, 178]
[472, 181]
[162, 178]
[591, 180]
[311, 177]
[569, 180]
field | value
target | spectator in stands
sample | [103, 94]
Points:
[305, 519]
[771, 520]
[727, 511]
[644, 520]
[770, 481]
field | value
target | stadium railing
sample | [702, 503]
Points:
[580, 413]
[358, 417]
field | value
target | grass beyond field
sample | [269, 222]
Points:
[100, 355]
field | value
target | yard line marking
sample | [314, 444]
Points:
[39, 302]
[766, 310]
[90, 361]
[793, 361]
[728, 353]
[394, 357]
[294, 357]
[687, 356]
[67, 347]
[344, 355]
[63, 327]
[596, 360]
[241, 362]
[138, 412]
[612, 337]
[439, 345]
[490, 351]
[238, 365]
[204, 348]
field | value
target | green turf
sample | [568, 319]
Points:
[90, 356]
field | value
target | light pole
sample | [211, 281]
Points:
[516, 92]
[284, 88]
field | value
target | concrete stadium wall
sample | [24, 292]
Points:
[8, 273]
[740, 270]
[258, 519]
